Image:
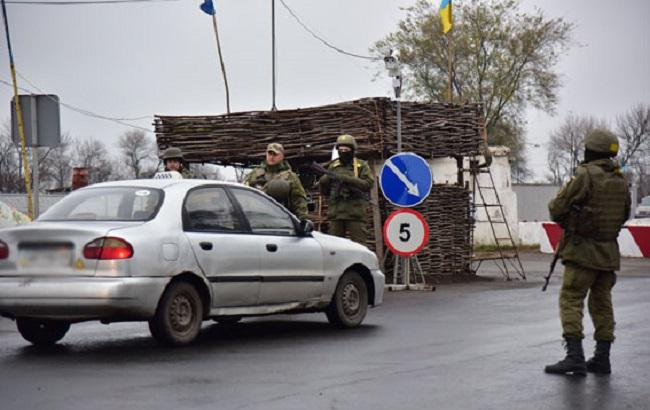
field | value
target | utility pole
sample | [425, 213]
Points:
[19, 117]
[273, 106]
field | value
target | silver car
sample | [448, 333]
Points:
[175, 253]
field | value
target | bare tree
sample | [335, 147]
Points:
[566, 146]
[56, 163]
[93, 155]
[633, 131]
[9, 176]
[138, 152]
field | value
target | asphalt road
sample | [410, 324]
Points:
[479, 345]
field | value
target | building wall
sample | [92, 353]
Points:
[533, 199]
[530, 233]
[445, 171]
[19, 201]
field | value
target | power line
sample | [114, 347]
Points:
[82, 111]
[322, 40]
[82, 3]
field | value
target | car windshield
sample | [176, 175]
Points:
[106, 204]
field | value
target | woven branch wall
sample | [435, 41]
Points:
[431, 130]
[446, 211]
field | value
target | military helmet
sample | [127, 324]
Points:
[172, 153]
[347, 140]
[602, 141]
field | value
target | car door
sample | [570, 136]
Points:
[227, 253]
[291, 266]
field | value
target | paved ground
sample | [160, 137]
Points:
[478, 345]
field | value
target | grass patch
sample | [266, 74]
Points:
[494, 248]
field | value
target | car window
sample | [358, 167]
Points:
[264, 216]
[106, 204]
[210, 209]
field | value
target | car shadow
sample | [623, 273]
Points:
[246, 336]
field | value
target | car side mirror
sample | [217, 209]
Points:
[306, 227]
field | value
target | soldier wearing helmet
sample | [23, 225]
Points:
[347, 186]
[591, 208]
[275, 177]
[173, 160]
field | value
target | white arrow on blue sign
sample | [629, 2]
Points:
[406, 179]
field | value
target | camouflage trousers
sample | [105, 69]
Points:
[576, 284]
[356, 229]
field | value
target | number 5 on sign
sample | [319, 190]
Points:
[406, 232]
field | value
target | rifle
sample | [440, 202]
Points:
[547, 278]
[573, 215]
[320, 170]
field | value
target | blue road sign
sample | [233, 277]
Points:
[405, 179]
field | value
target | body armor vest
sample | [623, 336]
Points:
[603, 213]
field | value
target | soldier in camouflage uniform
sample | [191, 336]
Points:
[174, 161]
[591, 208]
[347, 186]
[275, 177]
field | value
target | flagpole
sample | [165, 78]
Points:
[223, 67]
[450, 62]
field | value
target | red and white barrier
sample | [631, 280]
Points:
[633, 241]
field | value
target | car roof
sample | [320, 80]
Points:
[161, 183]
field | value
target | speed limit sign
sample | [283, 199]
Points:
[406, 232]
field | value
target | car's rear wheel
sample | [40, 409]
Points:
[179, 315]
[350, 302]
[42, 332]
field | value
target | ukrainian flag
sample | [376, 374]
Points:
[445, 15]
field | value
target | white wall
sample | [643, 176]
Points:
[530, 233]
[445, 171]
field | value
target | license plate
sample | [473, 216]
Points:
[45, 256]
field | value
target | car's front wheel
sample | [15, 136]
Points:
[42, 332]
[179, 315]
[350, 302]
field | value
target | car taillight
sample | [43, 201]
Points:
[4, 250]
[108, 248]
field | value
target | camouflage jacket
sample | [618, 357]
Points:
[592, 208]
[296, 201]
[348, 192]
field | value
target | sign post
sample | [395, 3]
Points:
[41, 127]
[406, 181]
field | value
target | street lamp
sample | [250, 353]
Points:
[394, 70]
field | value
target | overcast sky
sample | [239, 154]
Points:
[135, 60]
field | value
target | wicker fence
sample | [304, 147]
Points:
[430, 130]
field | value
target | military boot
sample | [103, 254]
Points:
[600, 362]
[573, 363]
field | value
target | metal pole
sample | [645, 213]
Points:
[19, 117]
[407, 270]
[273, 107]
[37, 179]
[398, 92]
[399, 125]
[35, 155]
[633, 195]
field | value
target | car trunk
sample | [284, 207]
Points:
[52, 248]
